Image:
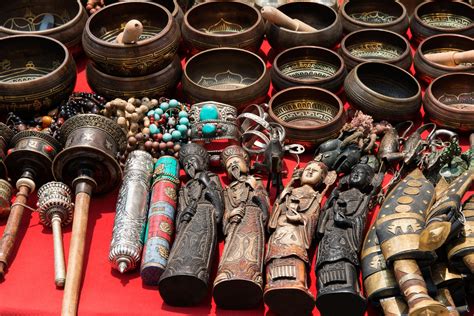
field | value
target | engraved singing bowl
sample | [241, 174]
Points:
[171, 5]
[229, 75]
[449, 101]
[156, 48]
[384, 91]
[375, 45]
[223, 24]
[6, 135]
[24, 17]
[426, 70]
[91, 145]
[380, 14]
[36, 73]
[319, 16]
[308, 66]
[432, 18]
[157, 84]
[309, 115]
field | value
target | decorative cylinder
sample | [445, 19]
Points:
[6, 191]
[6, 134]
[161, 216]
[127, 244]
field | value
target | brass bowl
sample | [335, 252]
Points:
[223, 24]
[154, 51]
[158, 84]
[376, 45]
[380, 14]
[23, 17]
[427, 70]
[449, 101]
[384, 91]
[309, 115]
[36, 73]
[319, 16]
[308, 66]
[432, 18]
[229, 75]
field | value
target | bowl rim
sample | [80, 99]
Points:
[436, 65]
[192, 82]
[443, 30]
[382, 96]
[277, 119]
[366, 24]
[76, 18]
[290, 50]
[67, 58]
[429, 93]
[237, 2]
[144, 42]
[406, 53]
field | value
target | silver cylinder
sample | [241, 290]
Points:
[131, 212]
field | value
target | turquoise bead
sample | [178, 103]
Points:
[153, 129]
[176, 135]
[184, 121]
[183, 114]
[151, 113]
[159, 111]
[209, 130]
[164, 106]
[173, 103]
[167, 137]
[157, 116]
[208, 112]
[182, 128]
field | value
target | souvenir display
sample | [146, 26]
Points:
[131, 212]
[55, 208]
[185, 281]
[239, 280]
[161, 219]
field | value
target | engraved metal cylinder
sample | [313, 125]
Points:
[132, 205]
[161, 218]
[6, 135]
[6, 191]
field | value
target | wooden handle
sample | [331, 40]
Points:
[277, 17]
[452, 58]
[59, 265]
[394, 306]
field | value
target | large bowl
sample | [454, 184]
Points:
[319, 16]
[223, 24]
[432, 18]
[384, 91]
[36, 73]
[171, 5]
[376, 45]
[449, 101]
[23, 17]
[308, 66]
[228, 75]
[427, 70]
[309, 115]
[154, 51]
[380, 14]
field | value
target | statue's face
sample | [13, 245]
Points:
[312, 174]
[359, 177]
[236, 166]
[192, 165]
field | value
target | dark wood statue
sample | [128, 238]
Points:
[185, 280]
[239, 281]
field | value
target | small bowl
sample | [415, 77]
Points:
[23, 17]
[309, 115]
[319, 16]
[433, 18]
[384, 91]
[376, 45]
[158, 84]
[449, 101]
[228, 75]
[308, 66]
[381, 14]
[223, 24]
[154, 51]
[427, 70]
[171, 5]
[36, 73]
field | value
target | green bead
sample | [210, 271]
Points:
[151, 113]
[159, 111]
[182, 128]
[209, 130]
[184, 121]
[208, 112]
[167, 137]
[164, 106]
[183, 114]
[176, 135]
[173, 103]
[153, 129]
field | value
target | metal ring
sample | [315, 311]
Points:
[253, 142]
[244, 121]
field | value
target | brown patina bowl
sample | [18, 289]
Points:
[380, 14]
[171, 5]
[432, 18]
[449, 101]
[384, 91]
[427, 70]
[156, 48]
[308, 66]
[228, 75]
[309, 115]
[319, 16]
[29, 17]
[376, 45]
[36, 73]
[223, 24]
